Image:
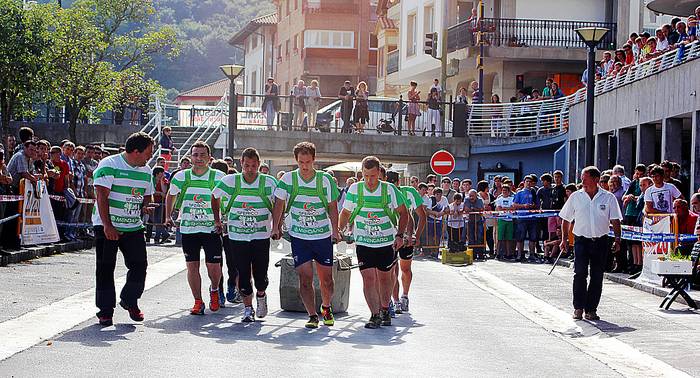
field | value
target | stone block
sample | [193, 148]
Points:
[289, 285]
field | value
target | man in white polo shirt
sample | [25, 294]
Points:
[592, 210]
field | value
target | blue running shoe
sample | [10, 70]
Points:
[392, 309]
[231, 293]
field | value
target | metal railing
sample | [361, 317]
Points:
[392, 62]
[512, 32]
[532, 118]
[636, 72]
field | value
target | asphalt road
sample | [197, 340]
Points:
[490, 319]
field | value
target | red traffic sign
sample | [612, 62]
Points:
[442, 163]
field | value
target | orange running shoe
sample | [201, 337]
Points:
[198, 308]
[214, 300]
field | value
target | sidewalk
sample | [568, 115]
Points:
[623, 278]
[29, 253]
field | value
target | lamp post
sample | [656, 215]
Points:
[591, 36]
[232, 71]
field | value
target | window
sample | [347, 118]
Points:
[279, 52]
[254, 82]
[296, 43]
[380, 62]
[286, 48]
[411, 35]
[254, 42]
[428, 20]
[287, 6]
[373, 42]
[296, 4]
[329, 39]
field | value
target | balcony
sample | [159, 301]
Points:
[330, 7]
[508, 32]
[392, 62]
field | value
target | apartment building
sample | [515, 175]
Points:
[327, 40]
[527, 41]
[256, 39]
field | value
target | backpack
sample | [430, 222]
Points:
[383, 202]
[312, 192]
[188, 183]
[259, 192]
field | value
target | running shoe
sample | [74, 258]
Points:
[134, 312]
[327, 315]
[248, 315]
[222, 297]
[385, 317]
[404, 303]
[592, 315]
[262, 305]
[374, 322]
[313, 322]
[392, 309]
[198, 308]
[238, 299]
[231, 293]
[105, 321]
[214, 300]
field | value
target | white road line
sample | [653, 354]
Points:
[619, 356]
[45, 322]
[442, 163]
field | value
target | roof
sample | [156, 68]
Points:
[386, 23]
[216, 89]
[251, 26]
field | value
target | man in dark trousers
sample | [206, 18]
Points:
[592, 210]
[347, 95]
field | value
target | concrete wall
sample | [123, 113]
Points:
[86, 134]
[569, 10]
[670, 93]
[334, 147]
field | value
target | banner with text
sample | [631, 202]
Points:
[38, 222]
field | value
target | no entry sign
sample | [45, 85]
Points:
[442, 163]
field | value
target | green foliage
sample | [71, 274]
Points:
[24, 39]
[204, 28]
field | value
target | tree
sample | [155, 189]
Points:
[102, 50]
[24, 41]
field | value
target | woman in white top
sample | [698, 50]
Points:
[313, 100]
[299, 93]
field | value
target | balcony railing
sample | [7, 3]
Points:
[511, 32]
[392, 62]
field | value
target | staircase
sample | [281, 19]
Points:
[208, 130]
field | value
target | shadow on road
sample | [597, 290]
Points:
[97, 336]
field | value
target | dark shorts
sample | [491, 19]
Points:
[406, 253]
[526, 229]
[382, 258]
[320, 250]
[192, 244]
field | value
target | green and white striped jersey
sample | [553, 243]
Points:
[373, 225]
[249, 217]
[127, 186]
[196, 214]
[413, 198]
[307, 203]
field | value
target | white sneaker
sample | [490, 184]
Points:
[404, 303]
[248, 315]
[262, 305]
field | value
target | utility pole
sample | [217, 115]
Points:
[480, 58]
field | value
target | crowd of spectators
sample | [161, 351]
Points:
[450, 203]
[641, 47]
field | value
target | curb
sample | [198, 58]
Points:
[623, 279]
[29, 253]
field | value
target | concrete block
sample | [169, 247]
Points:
[289, 285]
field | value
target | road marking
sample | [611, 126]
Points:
[45, 322]
[621, 357]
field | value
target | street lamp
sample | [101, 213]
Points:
[591, 36]
[232, 71]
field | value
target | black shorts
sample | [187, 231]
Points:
[406, 253]
[382, 258]
[192, 244]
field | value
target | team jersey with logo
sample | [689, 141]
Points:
[309, 218]
[127, 186]
[413, 198]
[249, 217]
[196, 214]
[372, 227]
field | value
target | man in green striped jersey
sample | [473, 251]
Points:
[124, 188]
[248, 210]
[191, 192]
[414, 204]
[377, 213]
[310, 197]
